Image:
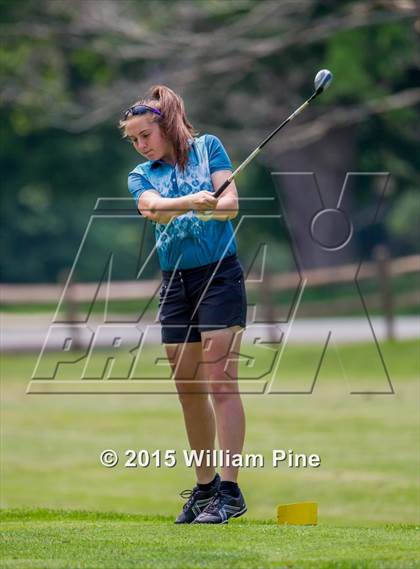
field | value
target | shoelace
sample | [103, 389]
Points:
[216, 502]
[189, 496]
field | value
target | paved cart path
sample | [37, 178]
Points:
[28, 332]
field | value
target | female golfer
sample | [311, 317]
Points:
[202, 299]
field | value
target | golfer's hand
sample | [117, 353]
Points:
[203, 201]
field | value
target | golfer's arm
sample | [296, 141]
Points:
[227, 205]
[162, 210]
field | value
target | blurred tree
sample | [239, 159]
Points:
[68, 68]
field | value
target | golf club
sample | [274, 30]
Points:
[321, 82]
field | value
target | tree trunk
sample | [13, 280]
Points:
[324, 244]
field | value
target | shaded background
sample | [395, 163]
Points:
[68, 69]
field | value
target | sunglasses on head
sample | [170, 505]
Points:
[141, 110]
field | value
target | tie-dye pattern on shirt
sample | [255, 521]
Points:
[187, 241]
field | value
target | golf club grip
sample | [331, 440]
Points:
[223, 187]
[238, 169]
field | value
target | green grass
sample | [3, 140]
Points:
[62, 539]
[366, 486]
[354, 366]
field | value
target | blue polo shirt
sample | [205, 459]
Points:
[186, 241]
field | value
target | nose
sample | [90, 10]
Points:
[141, 147]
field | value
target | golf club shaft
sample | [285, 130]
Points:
[263, 143]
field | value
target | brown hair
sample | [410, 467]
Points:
[173, 122]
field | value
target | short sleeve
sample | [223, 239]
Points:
[218, 158]
[137, 184]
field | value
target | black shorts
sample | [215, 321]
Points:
[211, 297]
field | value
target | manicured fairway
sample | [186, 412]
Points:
[366, 486]
[59, 540]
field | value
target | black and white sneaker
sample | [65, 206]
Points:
[197, 501]
[221, 508]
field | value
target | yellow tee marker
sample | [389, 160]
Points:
[300, 514]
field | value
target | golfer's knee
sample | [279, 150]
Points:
[193, 400]
[223, 391]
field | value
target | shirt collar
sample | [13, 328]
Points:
[192, 156]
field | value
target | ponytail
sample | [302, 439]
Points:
[173, 121]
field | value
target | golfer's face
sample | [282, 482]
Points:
[146, 137]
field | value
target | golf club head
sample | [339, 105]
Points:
[322, 80]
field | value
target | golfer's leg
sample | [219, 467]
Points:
[193, 393]
[220, 351]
